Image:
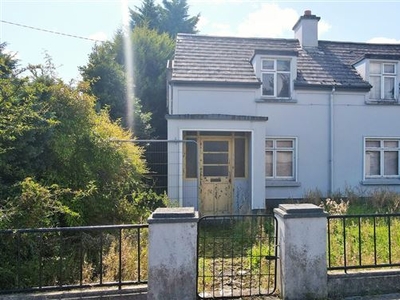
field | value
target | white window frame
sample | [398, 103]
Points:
[382, 75]
[381, 149]
[275, 72]
[275, 149]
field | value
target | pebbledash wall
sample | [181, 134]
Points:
[302, 271]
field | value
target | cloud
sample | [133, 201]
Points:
[268, 21]
[263, 20]
[323, 27]
[100, 36]
[222, 29]
[383, 40]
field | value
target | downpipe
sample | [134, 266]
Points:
[331, 140]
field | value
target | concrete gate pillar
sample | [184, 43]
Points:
[172, 254]
[302, 267]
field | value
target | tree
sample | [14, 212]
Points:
[148, 15]
[176, 19]
[172, 18]
[151, 53]
[59, 162]
[107, 78]
[24, 121]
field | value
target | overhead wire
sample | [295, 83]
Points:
[51, 31]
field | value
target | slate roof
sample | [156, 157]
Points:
[201, 59]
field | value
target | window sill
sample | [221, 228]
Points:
[381, 182]
[276, 100]
[282, 183]
[382, 102]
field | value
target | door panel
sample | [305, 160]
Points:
[215, 175]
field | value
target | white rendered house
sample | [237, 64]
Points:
[274, 118]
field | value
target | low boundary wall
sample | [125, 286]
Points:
[362, 283]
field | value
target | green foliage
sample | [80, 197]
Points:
[59, 162]
[25, 125]
[107, 78]
[35, 205]
[356, 200]
[151, 52]
[106, 74]
[176, 19]
[41, 258]
[366, 240]
[171, 18]
[148, 15]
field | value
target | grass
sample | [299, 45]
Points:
[365, 236]
[232, 256]
[364, 241]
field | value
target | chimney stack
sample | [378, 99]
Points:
[306, 30]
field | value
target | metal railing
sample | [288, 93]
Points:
[72, 257]
[165, 160]
[363, 241]
[236, 256]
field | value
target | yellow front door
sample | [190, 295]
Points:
[216, 176]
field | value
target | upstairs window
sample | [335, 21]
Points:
[382, 77]
[381, 158]
[275, 74]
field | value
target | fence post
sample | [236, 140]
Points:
[302, 271]
[172, 254]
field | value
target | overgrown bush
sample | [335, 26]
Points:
[356, 200]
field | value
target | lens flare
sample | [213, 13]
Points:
[128, 54]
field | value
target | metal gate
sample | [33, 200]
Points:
[237, 256]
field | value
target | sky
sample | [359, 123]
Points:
[77, 25]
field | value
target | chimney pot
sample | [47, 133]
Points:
[307, 12]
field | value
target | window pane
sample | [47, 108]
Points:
[375, 81]
[215, 158]
[283, 85]
[284, 144]
[284, 164]
[267, 64]
[283, 65]
[391, 144]
[268, 164]
[372, 164]
[389, 69]
[388, 83]
[268, 84]
[216, 171]
[240, 159]
[391, 163]
[216, 146]
[191, 160]
[374, 144]
[375, 68]
[269, 143]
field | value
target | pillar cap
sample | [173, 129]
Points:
[173, 215]
[300, 210]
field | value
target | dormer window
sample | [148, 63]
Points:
[275, 75]
[382, 77]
